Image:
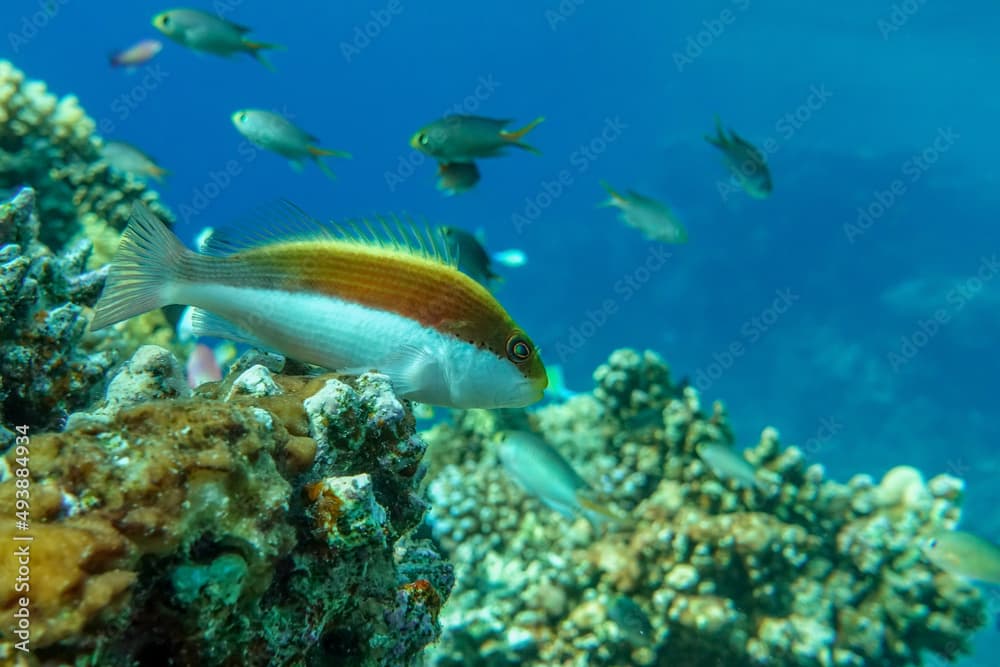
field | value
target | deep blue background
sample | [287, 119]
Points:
[824, 362]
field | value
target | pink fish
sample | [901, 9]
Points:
[137, 54]
[202, 366]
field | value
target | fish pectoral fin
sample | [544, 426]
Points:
[204, 323]
[411, 368]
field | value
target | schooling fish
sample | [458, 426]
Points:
[276, 133]
[137, 54]
[469, 138]
[649, 216]
[543, 472]
[746, 163]
[454, 178]
[208, 33]
[126, 157]
[964, 554]
[380, 295]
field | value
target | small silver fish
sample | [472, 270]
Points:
[728, 464]
[541, 471]
[746, 163]
[649, 216]
[964, 554]
[137, 54]
[276, 133]
[129, 159]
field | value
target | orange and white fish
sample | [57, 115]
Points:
[342, 298]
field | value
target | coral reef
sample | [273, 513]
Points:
[49, 143]
[49, 364]
[797, 570]
[260, 520]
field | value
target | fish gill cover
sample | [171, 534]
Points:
[838, 282]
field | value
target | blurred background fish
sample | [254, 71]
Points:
[139, 53]
[964, 554]
[468, 138]
[542, 472]
[631, 620]
[127, 158]
[274, 132]
[473, 258]
[202, 366]
[457, 177]
[729, 464]
[746, 163]
[649, 216]
[208, 33]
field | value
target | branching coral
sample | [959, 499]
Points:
[49, 143]
[796, 570]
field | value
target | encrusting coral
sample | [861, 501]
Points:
[49, 143]
[795, 570]
[261, 520]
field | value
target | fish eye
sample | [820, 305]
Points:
[243, 117]
[423, 139]
[931, 543]
[165, 20]
[518, 349]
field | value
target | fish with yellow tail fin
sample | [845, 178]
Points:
[541, 471]
[208, 33]
[274, 132]
[965, 555]
[380, 295]
[469, 138]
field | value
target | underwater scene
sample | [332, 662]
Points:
[557, 333]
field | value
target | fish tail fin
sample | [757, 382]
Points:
[719, 139]
[515, 136]
[255, 49]
[158, 173]
[318, 153]
[614, 198]
[596, 512]
[149, 262]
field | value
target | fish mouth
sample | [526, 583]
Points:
[414, 141]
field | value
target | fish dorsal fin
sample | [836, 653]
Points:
[284, 221]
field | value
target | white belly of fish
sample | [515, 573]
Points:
[423, 363]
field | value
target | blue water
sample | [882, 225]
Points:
[889, 108]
